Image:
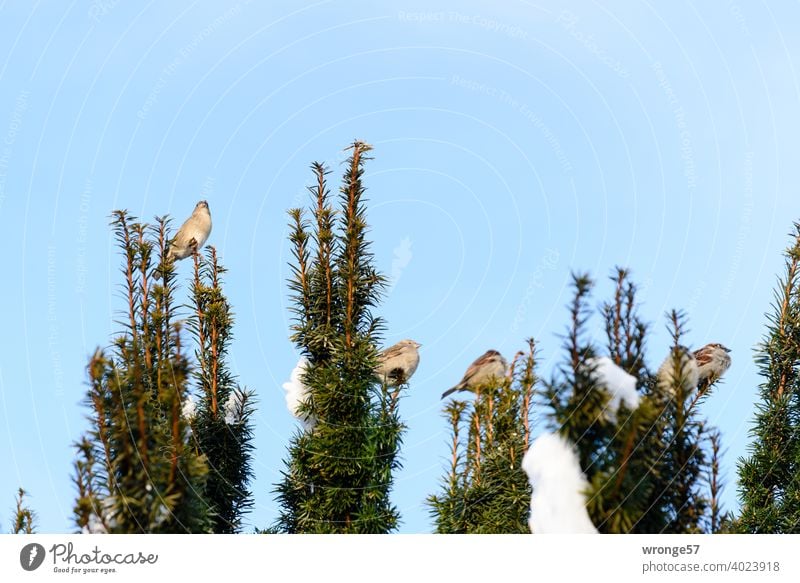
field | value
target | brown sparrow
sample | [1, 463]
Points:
[490, 365]
[398, 363]
[193, 233]
[712, 362]
[688, 371]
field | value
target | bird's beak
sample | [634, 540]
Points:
[726, 349]
[418, 345]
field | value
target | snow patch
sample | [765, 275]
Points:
[558, 503]
[95, 526]
[162, 514]
[297, 394]
[620, 385]
[234, 408]
[189, 410]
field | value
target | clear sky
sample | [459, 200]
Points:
[514, 142]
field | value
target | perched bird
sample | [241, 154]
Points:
[712, 362]
[490, 365]
[687, 371]
[398, 363]
[193, 233]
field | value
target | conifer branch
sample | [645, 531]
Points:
[24, 517]
[123, 236]
[715, 484]
[768, 477]
[339, 475]
[324, 217]
[527, 382]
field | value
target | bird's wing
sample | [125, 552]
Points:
[391, 352]
[179, 237]
[474, 368]
[702, 356]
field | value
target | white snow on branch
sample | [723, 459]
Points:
[297, 394]
[620, 385]
[234, 408]
[94, 526]
[189, 410]
[558, 503]
[162, 514]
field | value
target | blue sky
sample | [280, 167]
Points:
[513, 143]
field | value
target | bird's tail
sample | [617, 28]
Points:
[450, 391]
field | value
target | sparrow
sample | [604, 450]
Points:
[193, 233]
[712, 362]
[398, 363]
[490, 365]
[688, 371]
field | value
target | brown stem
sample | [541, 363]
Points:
[148, 359]
[352, 250]
[512, 367]
[214, 268]
[715, 486]
[165, 307]
[215, 332]
[477, 418]
[177, 402]
[214, 364]
[477, 449]
[454, 448]
[630, 327]
[299, 239]
[176, 439]
[324, 243]
[97, 400]
[142, 431]
[787, 294]
[129, 270]
[395, 397]
[201, 323]
[626, 455]
[702, 389]
[527, 394]
[617, 316]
